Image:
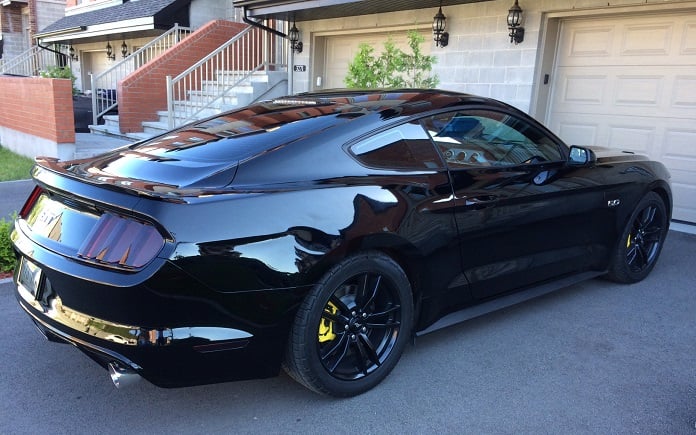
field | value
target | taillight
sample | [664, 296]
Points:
[120, 241]
[29, 204]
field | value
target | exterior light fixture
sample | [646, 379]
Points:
[110, 51]
[124, 49]
[71, 51]
[439, 25]
[294, 36]
[514, 21]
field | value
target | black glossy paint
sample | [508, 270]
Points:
[255, 205]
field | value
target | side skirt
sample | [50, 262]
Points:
[507, 301]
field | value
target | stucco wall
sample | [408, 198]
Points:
[36, 115]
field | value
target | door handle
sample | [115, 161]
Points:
[483, 200]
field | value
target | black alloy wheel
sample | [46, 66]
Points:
[641, 242]
[352, 328]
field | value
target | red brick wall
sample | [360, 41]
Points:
[38, 106]
[143, 93]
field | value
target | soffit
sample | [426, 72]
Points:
[324, 9]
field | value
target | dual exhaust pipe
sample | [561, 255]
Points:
[122, 377]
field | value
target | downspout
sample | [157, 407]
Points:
[261, 26]
[291, 55]
[63, 62]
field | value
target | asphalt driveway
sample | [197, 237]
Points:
[596, 357]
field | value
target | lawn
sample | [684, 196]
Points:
[13, 166]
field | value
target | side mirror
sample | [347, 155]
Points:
[580, 156]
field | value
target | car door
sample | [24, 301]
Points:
[523, 214]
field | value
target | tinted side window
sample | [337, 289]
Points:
[488, 138]
[406, 146]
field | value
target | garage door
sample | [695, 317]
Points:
[630, 83]
[341, 50]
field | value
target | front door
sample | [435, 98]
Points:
[524, 216]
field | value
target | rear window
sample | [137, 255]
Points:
[243, 134]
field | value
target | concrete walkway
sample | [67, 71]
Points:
[88, 145]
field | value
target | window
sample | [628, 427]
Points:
[404, 147]
[488, 138]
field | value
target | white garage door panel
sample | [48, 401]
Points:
[630, 83]
[665, 92]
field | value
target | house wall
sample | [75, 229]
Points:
[48, 12]
[204, 11]
[479, 58]
[92, 58]
[13, 40]
[37, 116]
[143, 93]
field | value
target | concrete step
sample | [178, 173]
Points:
[113, 131]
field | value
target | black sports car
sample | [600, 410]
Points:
[321, 233]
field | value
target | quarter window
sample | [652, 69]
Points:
[404, 147]
[488, 138]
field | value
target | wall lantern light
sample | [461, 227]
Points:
[514, 21]
[439, 25]
[124, 49]
[110, 51]
[71, 51]
[294, 36]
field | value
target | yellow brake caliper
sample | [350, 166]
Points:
[326, 332]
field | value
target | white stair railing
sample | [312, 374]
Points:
[104, 84]
[31, 62]
[232, 63]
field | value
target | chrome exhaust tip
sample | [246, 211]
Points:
[121, 376]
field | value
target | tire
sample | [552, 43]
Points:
[351, 329]
[640, 244]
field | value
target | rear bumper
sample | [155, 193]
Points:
[166, 357]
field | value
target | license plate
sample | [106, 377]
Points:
[29, 276]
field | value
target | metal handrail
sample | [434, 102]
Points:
[105, 83]
[230, 65]
[30, 62]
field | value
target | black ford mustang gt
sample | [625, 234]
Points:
[321, 233]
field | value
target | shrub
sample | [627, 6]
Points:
[61, 72]
[7, 257]
[393, 68]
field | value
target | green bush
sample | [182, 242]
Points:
[61, 72]
[7, 258]
[393, 68]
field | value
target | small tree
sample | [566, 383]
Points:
[392, 68]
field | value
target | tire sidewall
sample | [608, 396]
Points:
[620, 270]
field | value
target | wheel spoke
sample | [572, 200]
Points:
[369, 348]
[385, 312]
[383, 325]
[631, 254]
[361, 357]
[648, 216]
[336, 318]
[342, 308]
[362, 295]
[345, 342]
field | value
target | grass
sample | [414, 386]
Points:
[13, 166]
